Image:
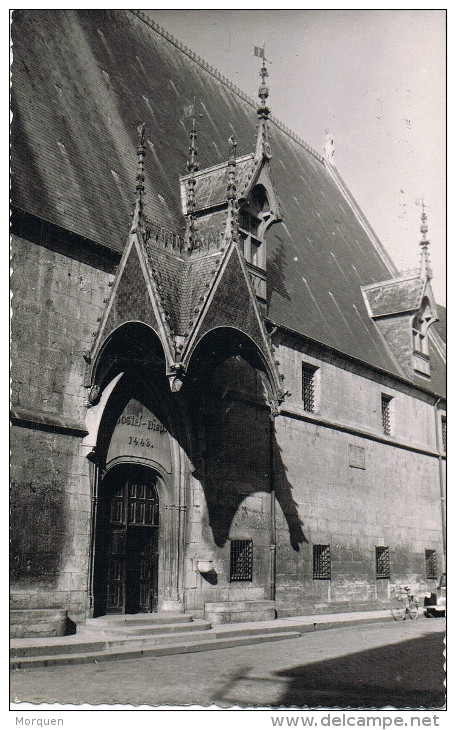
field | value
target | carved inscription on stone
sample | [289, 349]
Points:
[138, 433]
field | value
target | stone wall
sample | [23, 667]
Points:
[339, 480]
[55, 306]
[355, 488]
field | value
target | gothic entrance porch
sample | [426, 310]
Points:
[127, 544]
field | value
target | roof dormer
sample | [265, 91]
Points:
[404, 309]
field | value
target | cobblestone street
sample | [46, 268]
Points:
[400, 665]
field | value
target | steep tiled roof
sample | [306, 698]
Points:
[82, 83]
[441, 325]
[395, 296]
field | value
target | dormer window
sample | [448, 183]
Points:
[253, 221]
[254, 218]
[420, 326]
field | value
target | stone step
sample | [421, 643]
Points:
[140, 619]
[148, 640]
[132, 629]
[207, 644]
[34, 648]
[106, 641]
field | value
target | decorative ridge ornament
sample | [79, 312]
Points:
[263, 148]
[140, 178]
[425, 269]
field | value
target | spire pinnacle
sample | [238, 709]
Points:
[263, 148]
[231, 187]
[426, 272]
[192, 167]
[140, 177]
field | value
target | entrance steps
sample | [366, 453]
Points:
[141, 635]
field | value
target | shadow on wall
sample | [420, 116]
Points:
[235, 438]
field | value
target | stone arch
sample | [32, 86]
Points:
[126, 345]
[220, 342]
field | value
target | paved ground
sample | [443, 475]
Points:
[373, 665]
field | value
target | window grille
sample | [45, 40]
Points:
[386, 414]
[308, 387]
[431, 564]
[444, 433]
[241, 560]
[321, 562]
[382, 562]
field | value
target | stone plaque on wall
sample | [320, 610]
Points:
[356, 456]
[139, 434]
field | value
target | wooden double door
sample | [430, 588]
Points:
[126, 559]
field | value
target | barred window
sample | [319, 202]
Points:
[431, 564]
[386, 414]
[444, 433]
[382, 562]
[321, 562]
[241, 560]
[308, 387]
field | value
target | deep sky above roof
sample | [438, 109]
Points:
[82, 83]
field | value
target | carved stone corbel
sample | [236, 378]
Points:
[176, 376]
[93, 395]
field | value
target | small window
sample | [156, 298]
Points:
[386, 414]
[308, 387]
[321, 562]
[430, 557]
[241, 560]
[444, 433]
[382, 562]
[253, 222]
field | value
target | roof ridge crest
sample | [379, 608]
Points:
[214, 72]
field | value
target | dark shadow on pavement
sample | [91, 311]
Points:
[406, 675]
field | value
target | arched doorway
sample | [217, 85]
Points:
[127, 541]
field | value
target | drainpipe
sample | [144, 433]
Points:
[273, 509]
[441, 479]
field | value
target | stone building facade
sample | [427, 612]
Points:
[230, 402]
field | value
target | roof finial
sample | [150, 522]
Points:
[263, 148]
[140, 177]
[328, 146]
[192, 167]
[426, 272]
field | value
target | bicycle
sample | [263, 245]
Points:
[407, 603]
